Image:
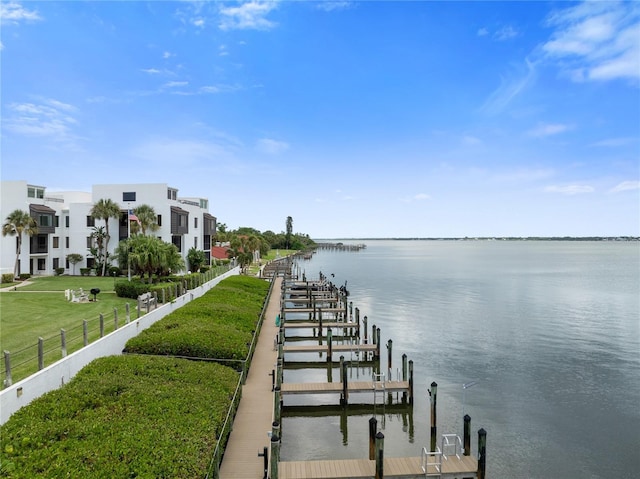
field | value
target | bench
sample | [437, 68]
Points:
[145, 301]
[78, 296]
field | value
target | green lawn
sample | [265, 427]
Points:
[41, 310]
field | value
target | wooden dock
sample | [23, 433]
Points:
[352, 387]
[335, 348]
[255, 412]
[394, 467]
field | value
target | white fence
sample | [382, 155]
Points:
[56, 375]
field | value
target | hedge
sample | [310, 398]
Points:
[122, 417]
[218, 325]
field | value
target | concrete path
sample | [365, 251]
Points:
[255, 412]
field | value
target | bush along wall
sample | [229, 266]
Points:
[218, 325]
[142, 415]
[121, 417]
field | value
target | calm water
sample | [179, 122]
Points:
[549, 330]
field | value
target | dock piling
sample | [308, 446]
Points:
[482, 453]
[379, 455]
[433, 395]
[373, 429]
[467, 435]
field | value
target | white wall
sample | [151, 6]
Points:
[52, 377]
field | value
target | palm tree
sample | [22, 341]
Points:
[99, 234]
[289, 231]
[147, 220]
[105, 209]
[17, 223]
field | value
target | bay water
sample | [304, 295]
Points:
[544, 334]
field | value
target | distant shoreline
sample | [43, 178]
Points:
[495, 238]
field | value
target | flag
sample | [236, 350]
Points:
[133, 217]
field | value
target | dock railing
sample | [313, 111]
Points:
[431, 462]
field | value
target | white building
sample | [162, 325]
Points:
[65, 223]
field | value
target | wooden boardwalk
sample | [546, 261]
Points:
[255, 412]
[399, 467]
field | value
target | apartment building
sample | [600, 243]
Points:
[65, 223]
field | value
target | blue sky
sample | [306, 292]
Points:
[357, 119]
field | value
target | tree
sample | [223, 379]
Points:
[74, 258]
[148, 255]
[17, 223]
[105, 209]
[196, 259]
[289, 231]
[147, 220]
[99, 234]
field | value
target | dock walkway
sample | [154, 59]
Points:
[255, 412]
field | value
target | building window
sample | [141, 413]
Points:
[42, 264]
[56, 221]
[45, 221]
[91, 263]
[181, 220]
[172, 194]
[195, 242]
[195, 222]
[66, 242]
[35, 192]
[66, 263]
[56, 263]
[66, 221]
[56, 242]
[89, 241]
[159, 220]
[129, 196]
[91, 221]
[177, 240]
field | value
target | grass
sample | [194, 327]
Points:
[41, 310]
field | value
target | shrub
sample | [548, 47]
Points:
[114, 271]
[7, 278]
[85, 271]
[204, 269]
[123, 416]
[59, 271]
[24, 276]
[130, 289]
[219, 324]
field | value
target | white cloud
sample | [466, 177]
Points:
[271, 147]
[50, 118]
[569, 189]
[248, 16]
[548, 129]
[483, 32]
[614, 142]
[596, 40]
[14, 13]
[505, 33]
[625, 186]
[167, 55]
[510, 87]
[421, 196]
[150, 71]
[198, 22]
[175, 84]
[330, 6]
